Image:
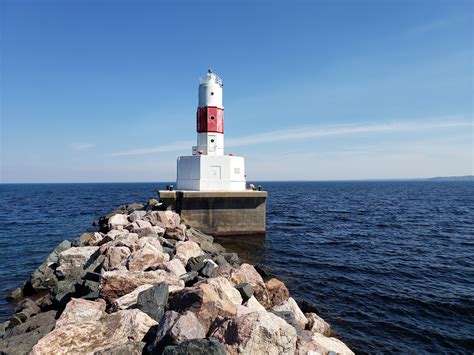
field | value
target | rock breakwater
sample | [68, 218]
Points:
[146, 283]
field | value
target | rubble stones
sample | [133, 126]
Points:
[112, 288]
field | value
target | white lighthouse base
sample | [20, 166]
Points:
[211, 173]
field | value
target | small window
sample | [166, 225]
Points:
[212, 93]
[212, 117]
[212, 140]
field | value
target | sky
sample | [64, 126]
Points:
[106, 91]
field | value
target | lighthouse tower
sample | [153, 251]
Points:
[208, 169]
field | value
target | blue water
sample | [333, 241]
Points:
[390, 265]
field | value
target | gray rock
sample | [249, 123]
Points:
[152, 301]
[94, 264]
[176, 233]
[23, 343]
[15, 294]
[196, 263]
[3, 328]
[232, 258]
[209, 267]
[175, 328]
[205, 346]
[28, 307]
[44, 278]
[220, 260]
[136, 215]
[45, 302]
[169, 243]
[287, 316]
[212, 248]
[189, 277]
[35, 322]
[62, 292]
[245, 290]
[198, 237]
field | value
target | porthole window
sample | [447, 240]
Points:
[212, 93]
[212, 140]
[212, 117]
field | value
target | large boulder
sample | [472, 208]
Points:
[154, 241]
[22, 342]
[277, 292]
[117, 283]
[142, 228]
[147, 257]
[207, 299]
[75, 258]
[111, 330]
[130, 299]
[255, 333]
[153, 300]
[316, 343]
[245, 290]
[32, 323]
[129, 240]
[205, 346]
[290, 305]
[174, 266]
[43, 278]
[247, 274]
[117, 221]
[197, 236]
[317, 325]
[175, 328]
[114, 233]
[78, 311]
[154, 218]
[136, 215]
[177, 233]
[187, 250]
[225, 289]
[116, 258]
[169, 219]
[90, 239]
[209, 267]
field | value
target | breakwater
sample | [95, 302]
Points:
[144, 282]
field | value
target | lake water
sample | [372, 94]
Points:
[390, 265]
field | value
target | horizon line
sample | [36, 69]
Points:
[249, 181]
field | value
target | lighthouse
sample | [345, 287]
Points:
[208, 168]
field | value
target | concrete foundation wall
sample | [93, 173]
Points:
[219, 213]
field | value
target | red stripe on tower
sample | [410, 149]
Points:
[210, 119]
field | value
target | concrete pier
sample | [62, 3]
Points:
[219, 213]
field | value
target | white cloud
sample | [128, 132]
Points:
[437, 24]
[158, 149]
[81, 146]
[312, 132]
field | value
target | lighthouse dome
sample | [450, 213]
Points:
[210, 90]
[210, 78]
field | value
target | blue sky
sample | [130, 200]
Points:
[98, 91]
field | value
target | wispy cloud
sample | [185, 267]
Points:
[173, 147]
[312, 132]
[315, 132]
[81, 146]
[437, 24]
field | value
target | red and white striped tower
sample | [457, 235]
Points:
[210, 116]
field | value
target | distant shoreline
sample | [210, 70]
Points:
[436, 178]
